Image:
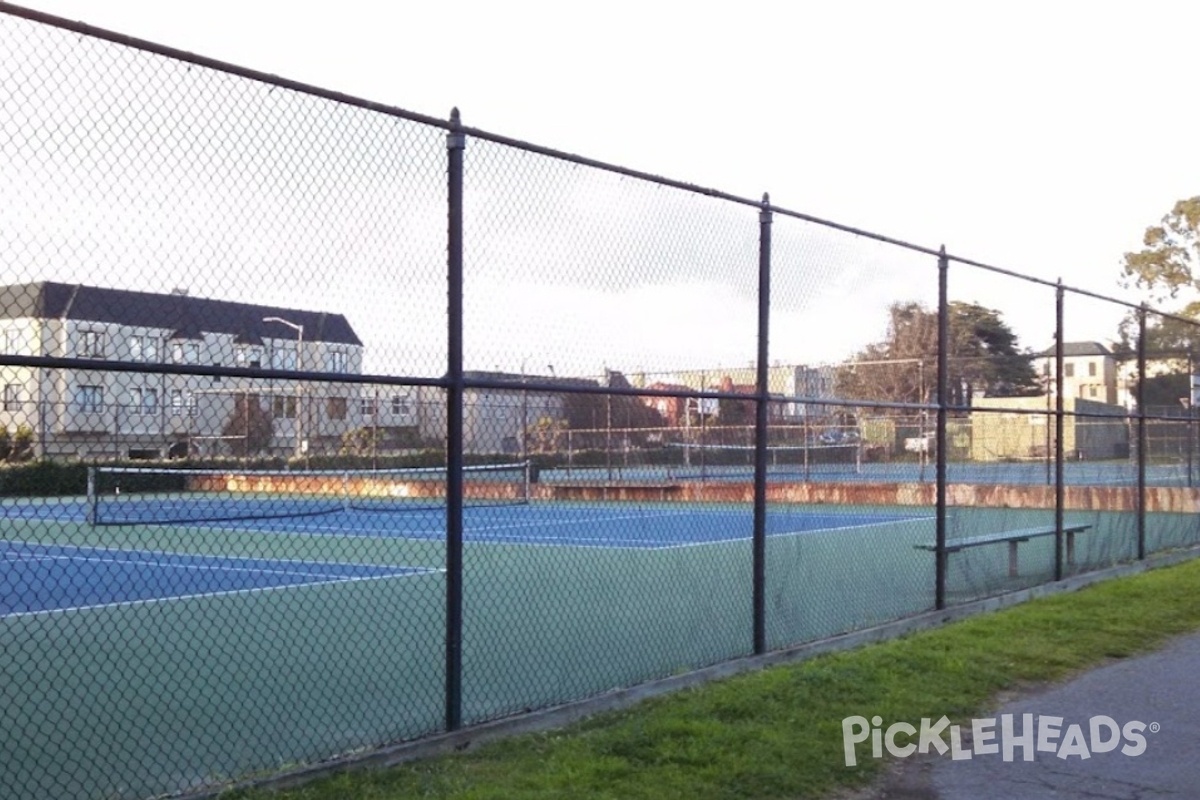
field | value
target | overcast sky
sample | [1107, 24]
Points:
[1042, 137]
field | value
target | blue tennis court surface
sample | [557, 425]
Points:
[660, 526]
[575, 524]
[38, 578]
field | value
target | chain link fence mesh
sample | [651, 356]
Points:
[230, 394]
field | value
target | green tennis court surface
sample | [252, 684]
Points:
[154, 651]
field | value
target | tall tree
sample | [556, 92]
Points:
[1167, 268]
[1170, 255]
[595, 411]
[1164, 335]
[983, 357]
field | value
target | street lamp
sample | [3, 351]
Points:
[524, 414]
[299, 329]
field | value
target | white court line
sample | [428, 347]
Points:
[257, 590]
[201, 567]
[798, 533]
[101, 548]
[436, 535]
[433, 533]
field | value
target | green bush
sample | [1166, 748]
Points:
[43, 478]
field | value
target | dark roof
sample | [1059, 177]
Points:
[186, 317]
[516, 378]
[1071, 349]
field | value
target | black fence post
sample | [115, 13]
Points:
[760, 427]
[1059, 425]
[943, 384]
[1141, 433]
[455, 144]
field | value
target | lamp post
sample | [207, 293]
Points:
[608, 424]
[549, 414]
[524, 414]
[299, 329]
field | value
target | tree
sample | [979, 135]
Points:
[597, 411]
[1167, 262]
[5, 442]
[250, 427]
[546, 435]
[22, 444]
[1166, 390]
[734, 411]
[983, 357]
[363, 441]
[1164, 335]
[1166, 267]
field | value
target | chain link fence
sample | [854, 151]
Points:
[327, 425]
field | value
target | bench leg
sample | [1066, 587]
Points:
[1013, 572]
[1071, 547]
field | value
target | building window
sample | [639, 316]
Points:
[183, 402]
[12, 342]
[143, 348]
[1069, 370]
[339, 361]
[145, 401]
[185, 352]
[284, 357]
[400, 407]
[12, 397]
[91, 344]
[192, 353]
[89, 398]
[1091, 369]
[337, 408]
[284, 406]
[369, 406]
[247, 356]
[1092, 391]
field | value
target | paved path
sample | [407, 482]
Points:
[1161, 690]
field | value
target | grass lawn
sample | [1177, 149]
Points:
[777, 733]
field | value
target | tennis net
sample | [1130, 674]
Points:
[148, 495]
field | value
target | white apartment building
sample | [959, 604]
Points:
[1089, 371]
[115, 410]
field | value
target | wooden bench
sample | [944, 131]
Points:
[1014, 538]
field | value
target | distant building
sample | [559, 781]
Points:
[509, 420]
[1089, 371]
[799, 390]
[677, 411]
[110, 412]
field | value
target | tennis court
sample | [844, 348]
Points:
[40, 578]
[337, 612]
[568, 524]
